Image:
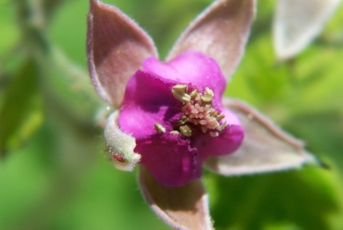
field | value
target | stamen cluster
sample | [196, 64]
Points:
[198, 113]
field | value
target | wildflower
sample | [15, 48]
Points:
[175, 113]
[171, 117]
[298, 22]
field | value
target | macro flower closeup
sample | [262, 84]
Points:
[171, 117]
[175, 109]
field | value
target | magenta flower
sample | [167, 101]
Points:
[171, 117]
[175, 109]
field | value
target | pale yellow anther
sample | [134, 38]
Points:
[175, 132]
[220, 117]
[209, 91]
[222, 127]
[214, 113]
[194, 93]
[185, 130]
[159, 128]
[206, 98]
[180, 93]
[214, 134]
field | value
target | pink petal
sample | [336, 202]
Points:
[190, 67]
[170, 159]
[148, 99]
[265, 146]
[182, 207]
[228, 141]
[221, 32]
[116, 47]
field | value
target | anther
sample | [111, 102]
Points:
[206, 98]
[220, 117]
[194, 93]
[185, 130]
[222, 127]
[183, 119]
[159, 128]
[209, 91]
[214, 113]
[175, 132]
[180, 93]
[214, 134]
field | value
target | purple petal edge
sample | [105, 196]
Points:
[116, 47]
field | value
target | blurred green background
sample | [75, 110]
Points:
[53, 169]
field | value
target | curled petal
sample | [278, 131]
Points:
[221, 32]
[182, 208]
[116, 47]
[120, 145]
[297, 22]
[265, 146]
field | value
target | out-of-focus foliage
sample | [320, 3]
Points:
[54, 173]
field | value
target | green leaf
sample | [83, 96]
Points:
[50, 6]
[8, 27]
[335, 24]
[259, 79]
[306, 199]
[24, 181]
[323, 132]
[21, 111]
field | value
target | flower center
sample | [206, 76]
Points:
[198, 113]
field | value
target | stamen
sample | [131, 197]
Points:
[193, 93]
[214, 134]
[159, 128]
[185, 130]
[209, 91]
[222, 127]
[214, 113]
[183, 119]
[206, 98]
[198, 113]
[174, 132]
[180, 93]
[220, 117]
